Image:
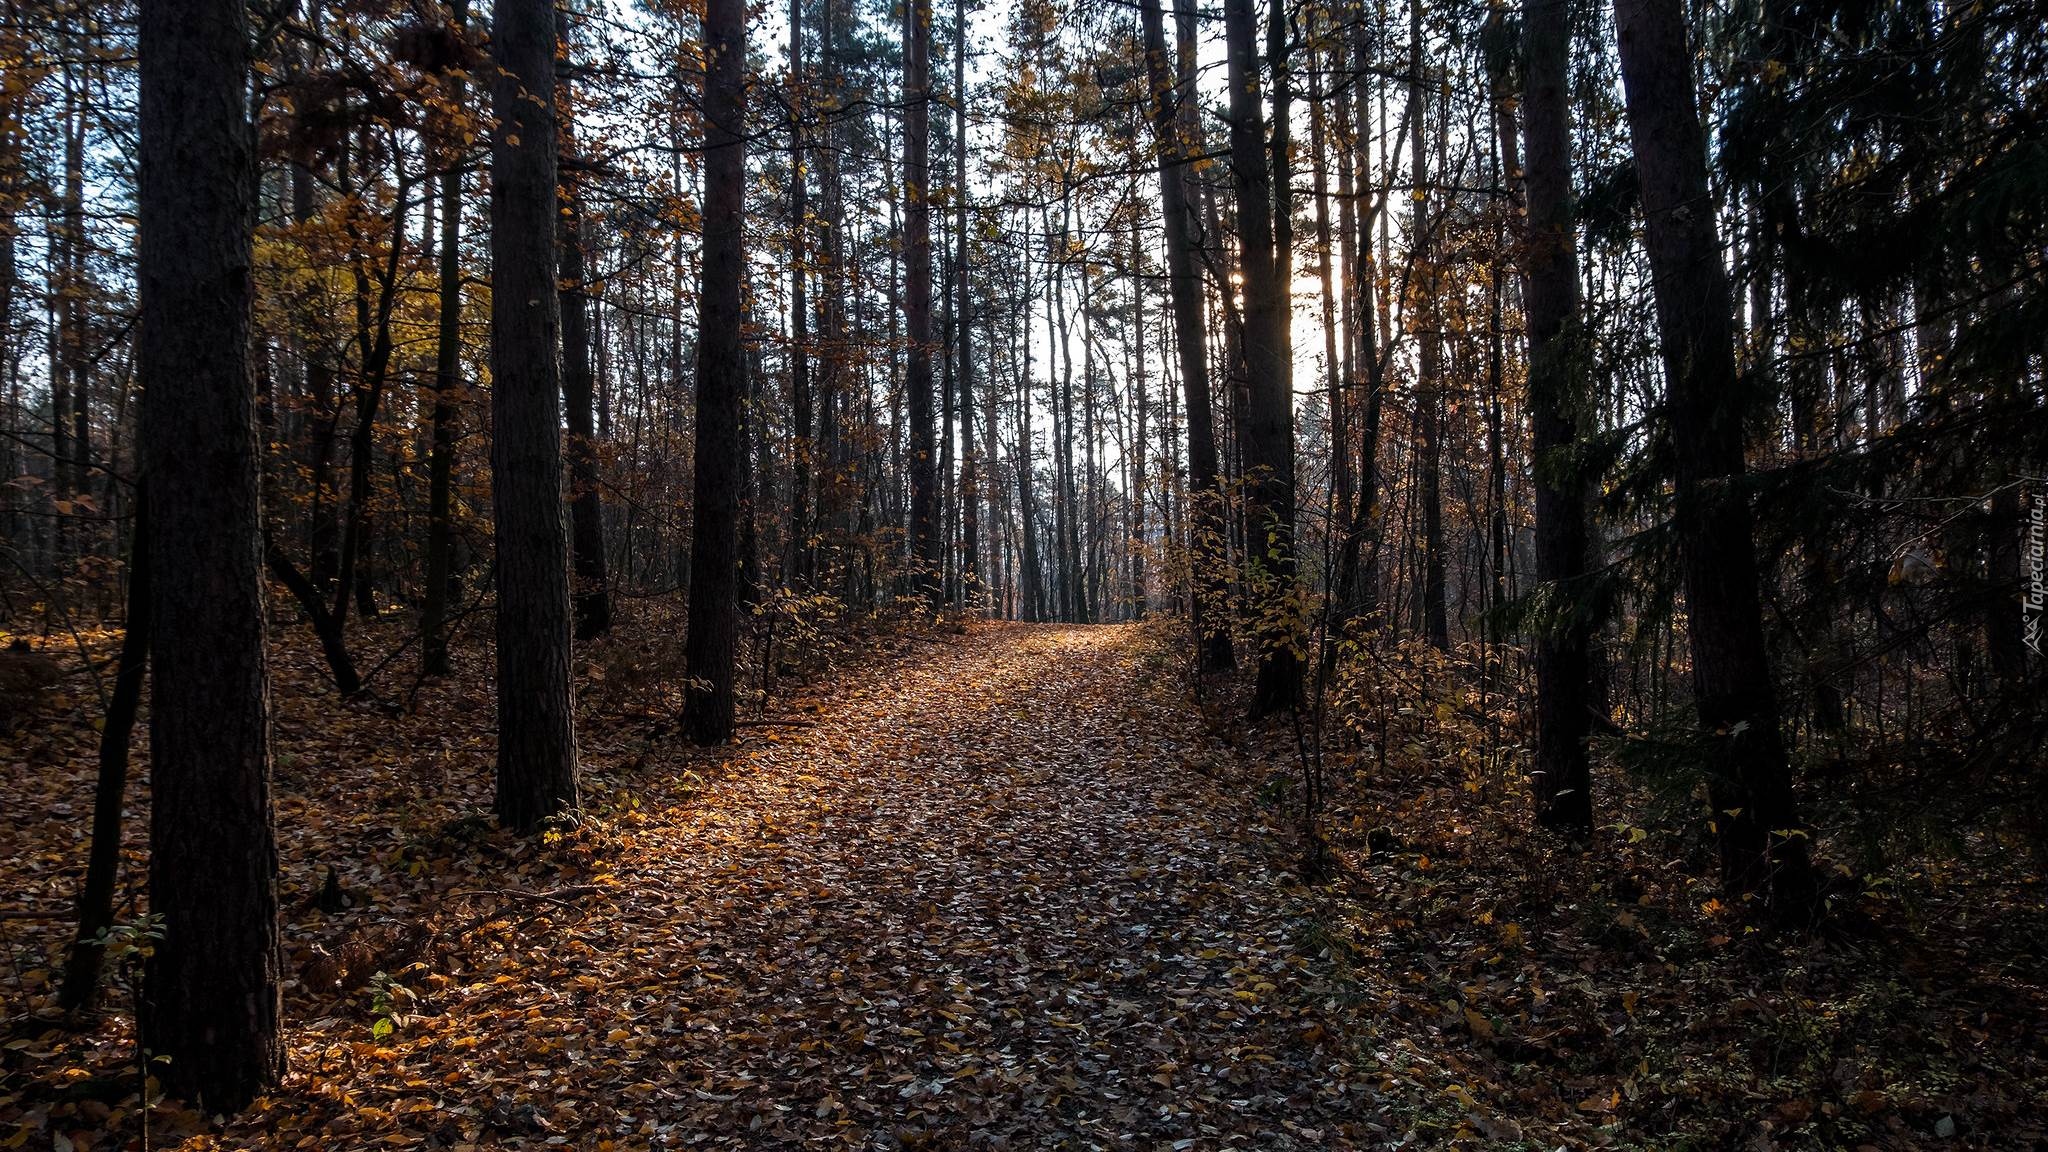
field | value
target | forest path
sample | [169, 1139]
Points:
[983, 903]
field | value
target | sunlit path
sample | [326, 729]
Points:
[985, 903]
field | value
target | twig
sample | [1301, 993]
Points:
[559, 896]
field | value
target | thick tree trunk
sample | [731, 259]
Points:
[536, 723]
[1762, 838]
[712, 646]
[593, 597]
[210, 999]
[1269, 413]
[1557, 405]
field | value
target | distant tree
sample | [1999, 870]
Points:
[1429, 383]
[593, 597]
[925, 541]
[210, 1001]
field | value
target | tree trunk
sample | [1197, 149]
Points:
[1035, 608]
[210, 998]
[373, 336]
[798, 555]
[1557, 405]
[1268, 448]
[1429, 401]
[1762, 838]
[327, 627]
[713, 641]
[1335, 379]
[536, 724]
[1358, 562]
[110, 791]
[1208, 559]
[963, 313]
[917, 296]
[1140, 484]
[447, 394]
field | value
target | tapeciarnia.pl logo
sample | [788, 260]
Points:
[2035, 601]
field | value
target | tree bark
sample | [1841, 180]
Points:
[1763, 841]
[210, 998]
[712, 645]
[536, 724]
[1171, 112]
[963, 313]
[917, 296]
[447, 394]
[1269, 413]
[1557, 405]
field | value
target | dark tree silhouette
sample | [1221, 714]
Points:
[536, 727]
[1172, 85]
[1269, 409]
[711, 647]
[210, 999]
[1557, 421]
[1762, 840]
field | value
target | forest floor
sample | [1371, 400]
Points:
[997, 891]
[1001, 887]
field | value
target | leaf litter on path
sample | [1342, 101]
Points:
[979, 902]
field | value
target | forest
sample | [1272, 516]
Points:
[1001, 574]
